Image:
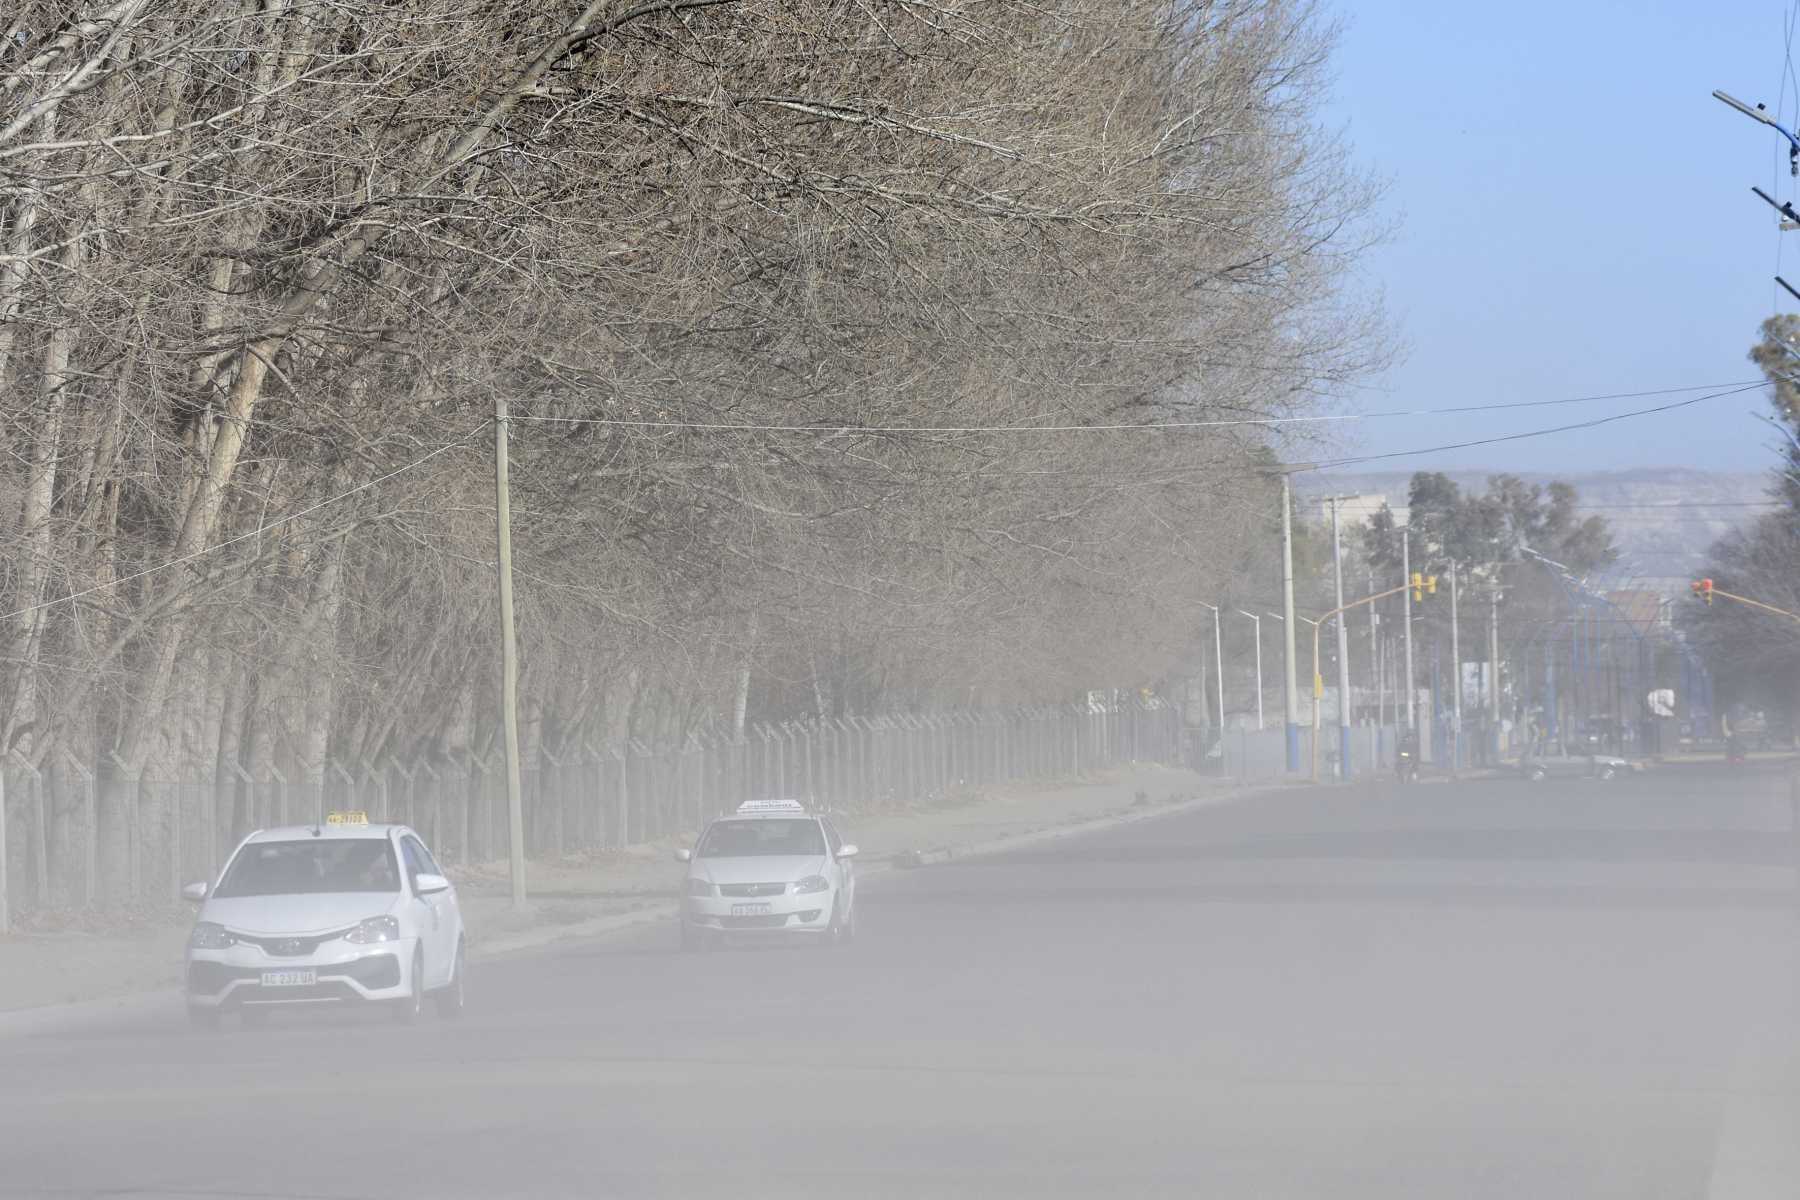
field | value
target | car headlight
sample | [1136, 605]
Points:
[700, 887]
[812, 883]
[210, 936]
[375, 929]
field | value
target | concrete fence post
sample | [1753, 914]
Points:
[457, 828]
[593, 798]
[349, 799]
[283, 814]
[40, 839]
[90, 858]
[134, 837]
[383, 799]
[410, 805]
[560, 792]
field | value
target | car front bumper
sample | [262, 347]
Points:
[809, 913]
[342, 972]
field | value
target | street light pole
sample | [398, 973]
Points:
[1290, 680]
[1343, 645]
[1375, 678]
[1494, 673]
[1406, 577]
[1259, 677]
[1455, 683]
[1317, 629]
[1219, 673]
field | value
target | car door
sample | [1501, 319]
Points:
[432, 924]
[450, 908]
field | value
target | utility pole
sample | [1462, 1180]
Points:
[1219, 683]
[1494, 672]
[1375, 658]
[509, 656]
[1343, 645]
[1290, 679]
[1259, 677]
[1406, 577]
[1455, 683]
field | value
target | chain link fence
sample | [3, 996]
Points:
[1251, 755]
[578, 798]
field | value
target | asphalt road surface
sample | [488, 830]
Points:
[1490, 989]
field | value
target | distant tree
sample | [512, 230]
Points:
[1755, 657]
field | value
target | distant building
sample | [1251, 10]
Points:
[1360, 510]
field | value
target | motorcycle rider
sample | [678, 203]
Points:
[1406, 762]
[1734, 745]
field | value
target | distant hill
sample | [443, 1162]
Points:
[1663, 518]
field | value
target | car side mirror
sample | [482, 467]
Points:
[427, 884]
[684, 855]
[195, 892]
[847, 850]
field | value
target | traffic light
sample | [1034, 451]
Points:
[1423, 586]
[1703, 589]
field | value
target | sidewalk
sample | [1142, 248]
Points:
[591, 893]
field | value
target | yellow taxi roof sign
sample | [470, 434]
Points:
[347, 818]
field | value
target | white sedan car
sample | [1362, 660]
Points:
[342, 911]
[769, 868]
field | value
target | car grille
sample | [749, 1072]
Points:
[376, 971]
[288, 947]
[328, 990]
[765, 921]
[752, 889]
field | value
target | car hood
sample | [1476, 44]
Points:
[759, 869]
[321, 913]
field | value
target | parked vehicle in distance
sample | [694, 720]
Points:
[1556, 762]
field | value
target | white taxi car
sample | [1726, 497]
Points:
[328, 913]
[769, 868]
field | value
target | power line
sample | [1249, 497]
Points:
[257, 532]
[1685, 504]
[1519, 437]
[839, 428]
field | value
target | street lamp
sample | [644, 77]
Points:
[1297, 617]
[1259, 681]
[1219, 662]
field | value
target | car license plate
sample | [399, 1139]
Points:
[289, 978]
[749, 910]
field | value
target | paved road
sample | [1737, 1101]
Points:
[1484, 990]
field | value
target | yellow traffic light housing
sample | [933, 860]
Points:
[1418, 587]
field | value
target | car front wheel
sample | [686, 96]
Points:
[407, 1011]
[451, 999]
[843, 926]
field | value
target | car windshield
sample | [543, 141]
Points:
[762, 837]
[312, 866]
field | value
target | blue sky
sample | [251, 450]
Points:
[1574, 217]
